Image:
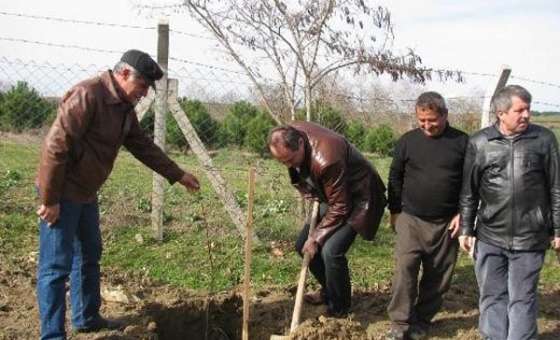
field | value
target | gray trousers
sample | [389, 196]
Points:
[427, 244]
[507, 281]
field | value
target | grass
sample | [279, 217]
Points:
[201, 249]
[552, 122]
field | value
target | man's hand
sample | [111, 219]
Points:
[49, 213]
[555, 243]
[393, 221]
[454, 225]
[190, 182]
[466, 242]
[310, 247]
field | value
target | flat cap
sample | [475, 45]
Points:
[144, 64]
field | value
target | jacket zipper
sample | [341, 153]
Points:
[512, 195]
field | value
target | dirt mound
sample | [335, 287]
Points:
[327, 328]
[155, 311]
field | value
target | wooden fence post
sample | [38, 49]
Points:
[212, 173]
[159, 128]
[248, 239]
[144, 104]
[485, 119]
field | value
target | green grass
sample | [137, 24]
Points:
[551, 122]
[201, 249]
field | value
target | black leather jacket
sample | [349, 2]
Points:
[517, 182]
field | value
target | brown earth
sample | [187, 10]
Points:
[156, 311]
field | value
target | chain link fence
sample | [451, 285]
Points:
[228, 116]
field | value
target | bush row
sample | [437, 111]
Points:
[244, 125]
[21, 108]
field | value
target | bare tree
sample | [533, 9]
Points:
[381, 106]
[274, 97]
[302, 41]
[465, 111]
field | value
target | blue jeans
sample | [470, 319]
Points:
[507, 280]
[69, 248]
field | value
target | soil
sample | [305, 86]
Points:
[156, 311]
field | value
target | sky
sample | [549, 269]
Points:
[475, 36]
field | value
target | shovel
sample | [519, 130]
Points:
[301, 283]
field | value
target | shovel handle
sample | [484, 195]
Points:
[303, 272]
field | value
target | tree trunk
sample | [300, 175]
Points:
[308, 102]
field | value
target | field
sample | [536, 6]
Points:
[552, 122]
[187, 286]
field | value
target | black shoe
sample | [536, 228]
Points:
[417, 332]
[395, 334]
[330, 313]
[101, 324]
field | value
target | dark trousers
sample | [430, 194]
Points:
[427, 244]
[330, 266]
[507, 280]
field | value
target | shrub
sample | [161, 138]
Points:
[205, 126]
[257, 131]
[234, 126]
[21, 107]
[380, 139]
[356, 133]
[468, 122]
[331, 118]
[173, 134]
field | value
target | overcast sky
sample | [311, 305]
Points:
[475, 36]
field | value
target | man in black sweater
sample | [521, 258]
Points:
[424, 186]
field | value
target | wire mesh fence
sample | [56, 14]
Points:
[226, 110]
[228, 117]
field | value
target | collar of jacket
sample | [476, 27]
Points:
[113, 96]
[494, 133]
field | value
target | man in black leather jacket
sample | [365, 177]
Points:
[513, 170]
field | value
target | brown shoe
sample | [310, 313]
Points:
[316, 298]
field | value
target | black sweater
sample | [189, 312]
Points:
[426, 173]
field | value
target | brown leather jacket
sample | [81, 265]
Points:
[92, 123]
[340, 176]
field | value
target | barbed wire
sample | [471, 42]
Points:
[394, 100]
[545, 103]
[192, 35]
[188, 74]
[183, 74]
[92, 49]
[185, 61]
[536, 81]
[48, 65]
[74, 21]
[180, 60]
[99, 23]
[83, 48]
[480, 74]
[172, 6]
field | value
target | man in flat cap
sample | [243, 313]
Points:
[95, 117]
